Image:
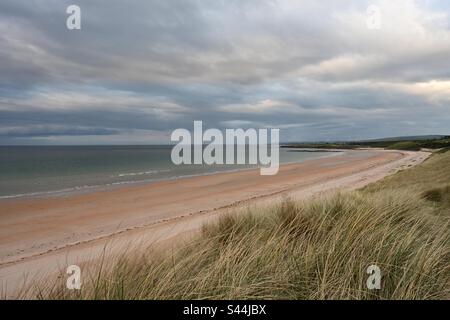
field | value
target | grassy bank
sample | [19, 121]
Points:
[316, 249]
[392, 144]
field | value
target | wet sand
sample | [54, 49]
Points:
[39, 236]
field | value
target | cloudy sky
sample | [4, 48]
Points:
[139, 69]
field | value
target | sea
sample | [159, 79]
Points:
[27, 171]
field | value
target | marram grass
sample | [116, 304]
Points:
[315, 249]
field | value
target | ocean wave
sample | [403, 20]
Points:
[84, 187]
[173, 176]
[142, 173]
[43, 193]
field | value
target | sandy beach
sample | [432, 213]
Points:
[40, 236]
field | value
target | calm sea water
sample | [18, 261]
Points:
[26, 171]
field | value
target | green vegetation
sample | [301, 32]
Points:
[405, 145]
[316, 249]
[411, 144]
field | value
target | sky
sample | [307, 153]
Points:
[139, 69]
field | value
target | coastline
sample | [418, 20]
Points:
[42, 235]
[80, 189]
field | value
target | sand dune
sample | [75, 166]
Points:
[39, 236]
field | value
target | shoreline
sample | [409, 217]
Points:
[109, 186]
[156, 214]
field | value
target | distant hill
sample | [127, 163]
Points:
[398, 143]
[409, 138]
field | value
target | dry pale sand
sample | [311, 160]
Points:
[40, 236]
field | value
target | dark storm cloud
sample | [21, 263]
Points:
[311, 68]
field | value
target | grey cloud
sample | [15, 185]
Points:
[52, 130]
[159, 65]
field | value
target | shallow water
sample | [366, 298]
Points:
[35, 170]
